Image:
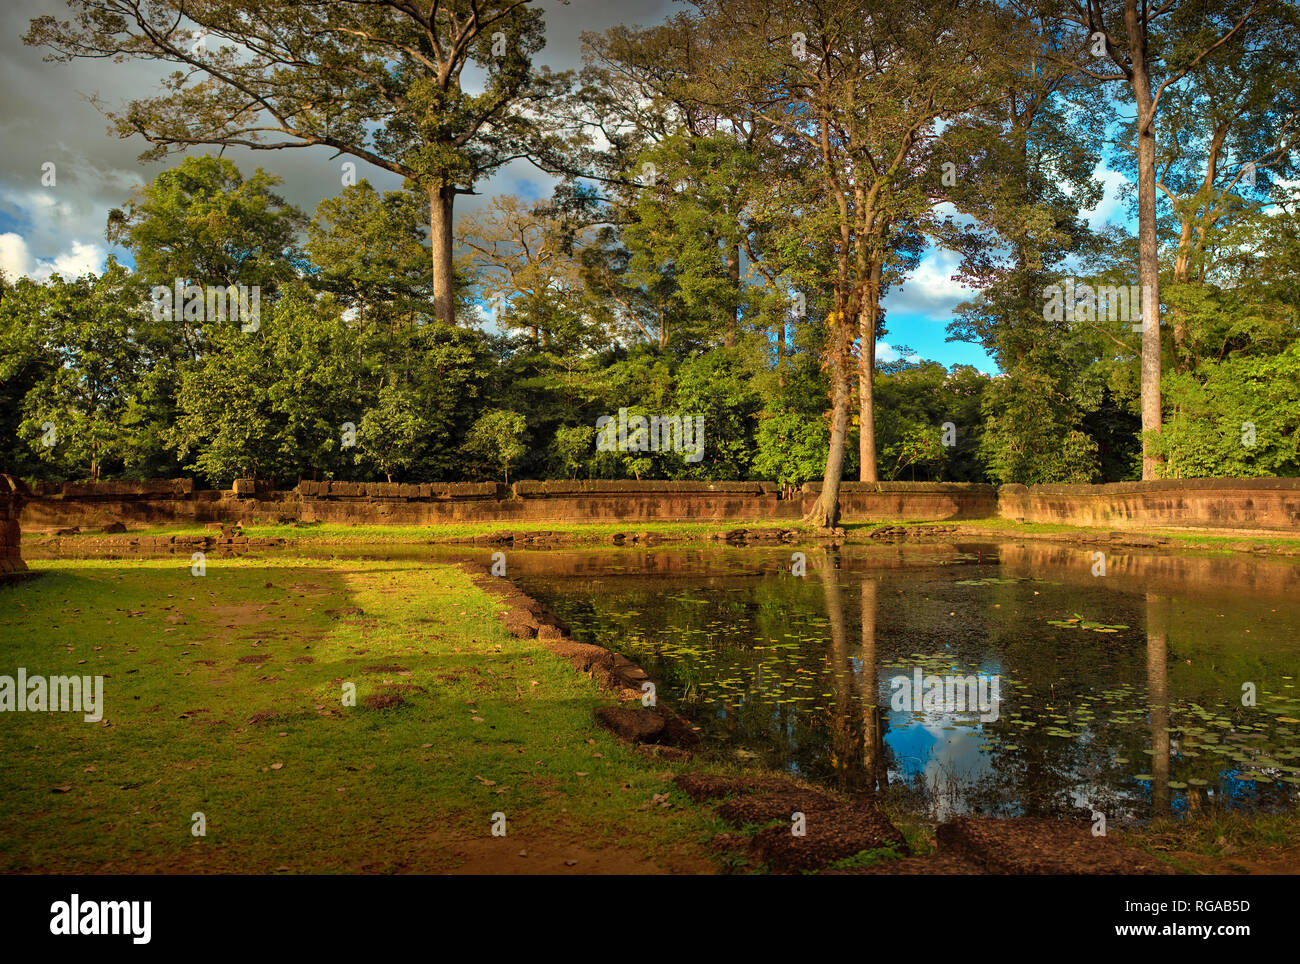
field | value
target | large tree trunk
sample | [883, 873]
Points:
[1181, 267]
[825, 512]
[867, 318]
[1148, 254]
[733, 275]
[1158, 700]
[440, 236]
[780, 353]
[873, 753]
[846, 741]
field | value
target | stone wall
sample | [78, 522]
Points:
[908, 501]
[1272, 504]
[12, 495]
[1268, 504]
[587, 501]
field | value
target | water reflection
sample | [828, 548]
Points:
[1118, 695]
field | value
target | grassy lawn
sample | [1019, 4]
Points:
[330, 533]
[687, 533]
[1178, 537]
[223, 695]
[1224, 842]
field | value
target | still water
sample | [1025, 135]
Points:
[1166, 684]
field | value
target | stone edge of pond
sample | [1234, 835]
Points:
[114, 538]
[657, 731]
[1120, 539]
[763, 807]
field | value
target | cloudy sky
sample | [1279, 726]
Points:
[47, 117]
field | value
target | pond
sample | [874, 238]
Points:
[1131, 684]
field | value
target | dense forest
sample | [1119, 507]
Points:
[736, 191]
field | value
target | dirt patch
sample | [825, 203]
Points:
[1028, 845]
[928, 865]
[347, 612]
[811, 828]
[829, 835]
[528, 854]
[763, 808]
[633, 725]
[258, 659]
[713, 786]
[1275, 860]
[239, 615]
[382, 701]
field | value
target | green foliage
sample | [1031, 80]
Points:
[573, 447]
[81, 411]
[660, 278]
[497, 437]
[203, 223]
[921, 407]
[266, 404]
[1029, 437]
[1239, 417]
[391, 433]
[719, 387]
[367, 249]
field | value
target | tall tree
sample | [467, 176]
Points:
[1227, 152]
[675, 174]
[856, 94]
[365, 248]
[380, 81]
[1154, 45]
[1022, 171]
[528, 265]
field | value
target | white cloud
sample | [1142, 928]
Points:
[1110, 209]
[83, 258]
[885, 352]
[17, 260]
[930, 290]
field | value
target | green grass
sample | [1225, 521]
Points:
[684, 533]
[1194, 538]
[866, 858]
[496, 724]
[326, 533]
[1010, 525]
[1224, 836]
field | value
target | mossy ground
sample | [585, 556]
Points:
[224, 697]
[694, 533]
